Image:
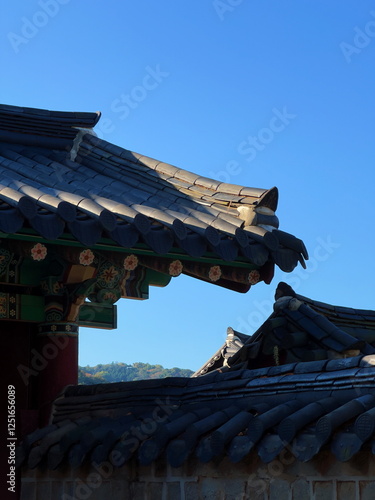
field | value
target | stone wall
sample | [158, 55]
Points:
[283, 479]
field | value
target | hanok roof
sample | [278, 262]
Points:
[299, 329]
[301, 406]
[58, 181]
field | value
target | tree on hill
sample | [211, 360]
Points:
[122, 372]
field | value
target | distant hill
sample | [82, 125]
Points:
[121, 372]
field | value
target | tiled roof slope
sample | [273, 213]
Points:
[303, 407]
[57, 177]
[299, 329]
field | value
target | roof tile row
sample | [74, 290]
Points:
[80, 182]
[230, 413]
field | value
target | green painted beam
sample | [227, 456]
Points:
[32, 308]
[95, 315]
[140, 249]
[154, 278]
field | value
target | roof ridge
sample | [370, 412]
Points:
[87, 119]
[181, 174]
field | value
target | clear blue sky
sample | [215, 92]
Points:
[198, 84]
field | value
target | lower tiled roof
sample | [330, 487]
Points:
[298, 329]
[304, 407]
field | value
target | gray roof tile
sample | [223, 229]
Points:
[230, 188]
[35, 147]
[186, 176]
[165, 168]
[252, 192]
[219, 408]
[206, 182]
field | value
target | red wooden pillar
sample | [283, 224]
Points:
[15, 341]
[56, 359]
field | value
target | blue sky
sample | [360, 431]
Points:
[200, 85]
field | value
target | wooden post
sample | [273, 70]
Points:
[56, 360]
